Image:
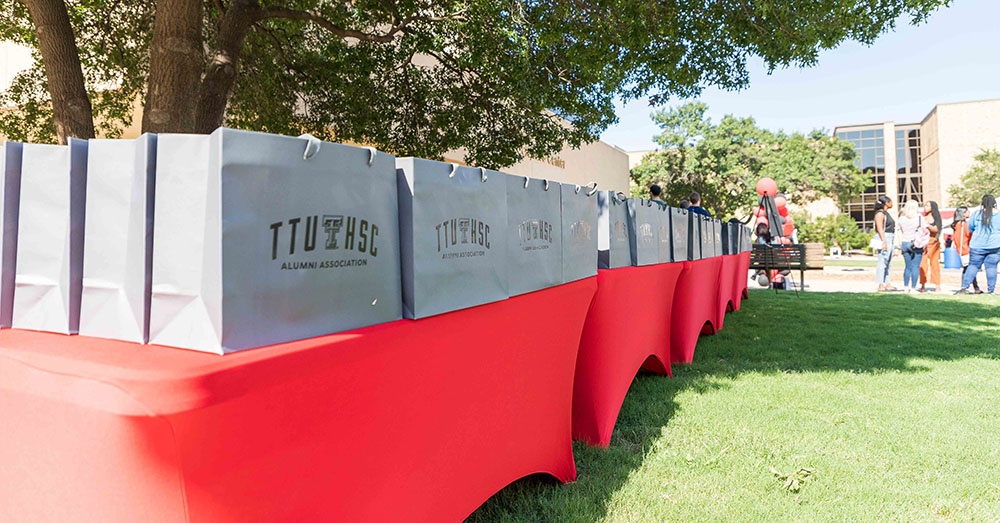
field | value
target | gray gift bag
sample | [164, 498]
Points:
[707, 238]
[644, 227]
[453, 244]
[679, 239]
[695, 247]
[729, 240]
[49, 270]
[261, 239]
[717, 237]
[614, 249]
[10, 189]
[663, 235]
[734, 238]
[579, 231]
[534, 234]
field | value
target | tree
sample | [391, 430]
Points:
[982, 178]
[502, 79]
[724, 161]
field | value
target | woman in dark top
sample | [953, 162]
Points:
[930, 265]
[885, 229]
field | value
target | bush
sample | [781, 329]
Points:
[840, 228]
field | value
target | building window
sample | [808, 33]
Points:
[869, 149]
[908, 169]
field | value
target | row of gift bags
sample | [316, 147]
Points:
[237, 239]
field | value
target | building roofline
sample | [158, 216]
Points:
[879, 124]
[957, 103]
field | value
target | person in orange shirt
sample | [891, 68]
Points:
[930, 265]
[960, 238]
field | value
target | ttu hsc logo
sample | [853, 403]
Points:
[462, 237]
[645, 234]
[534, 234]
[579, 232]
[620, 232]
[332, 232]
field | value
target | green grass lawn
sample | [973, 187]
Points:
[890, 404]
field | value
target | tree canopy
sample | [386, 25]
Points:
[723, 161]
[499, 78]
[982, 178]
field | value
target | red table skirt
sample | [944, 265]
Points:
[728, 276]
[628, 327]
[741, 283]
[407, 421]
[695, 307]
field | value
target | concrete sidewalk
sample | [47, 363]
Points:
[862, 279]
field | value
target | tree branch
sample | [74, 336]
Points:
[317, 18]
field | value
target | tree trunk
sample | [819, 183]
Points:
[220, 74]
[175, 65]
[72, 113]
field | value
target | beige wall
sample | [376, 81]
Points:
[930, 157]
[823, 207]
[953, 134]
[593, 162]
[635, 157]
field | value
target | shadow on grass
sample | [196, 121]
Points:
[818, 332]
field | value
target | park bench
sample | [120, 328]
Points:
[797, 256]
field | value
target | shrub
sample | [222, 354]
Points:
[840, 228]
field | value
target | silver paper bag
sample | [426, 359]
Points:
[10, 192]
[50, 237]
[644, 222]
[579, 232]
[679, 239]
[261, 239]
[534, 234]
[614, 249]
[118, 241]
[453, 223]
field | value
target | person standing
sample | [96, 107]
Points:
[984, 247]
[656, 195]
[930, 265]
[695, 200]
[885, 228]
[910, 227]
[960, 239]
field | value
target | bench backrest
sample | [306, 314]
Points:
[778, 256]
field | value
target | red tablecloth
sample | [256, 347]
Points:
[407, 421]
[628, 327]
[741, 283]
[695, 307]
[728, 274]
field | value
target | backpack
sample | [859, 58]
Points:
[923, 235]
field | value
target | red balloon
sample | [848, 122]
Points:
[759, 212]
[788, 229]
[767, 187]
[788, 219]
[780, 201]
[783, 211]
[761, 219]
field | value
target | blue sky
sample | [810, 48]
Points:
[953, 57]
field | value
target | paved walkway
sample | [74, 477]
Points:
[862, 279]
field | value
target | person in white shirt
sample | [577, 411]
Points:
[910, 221]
